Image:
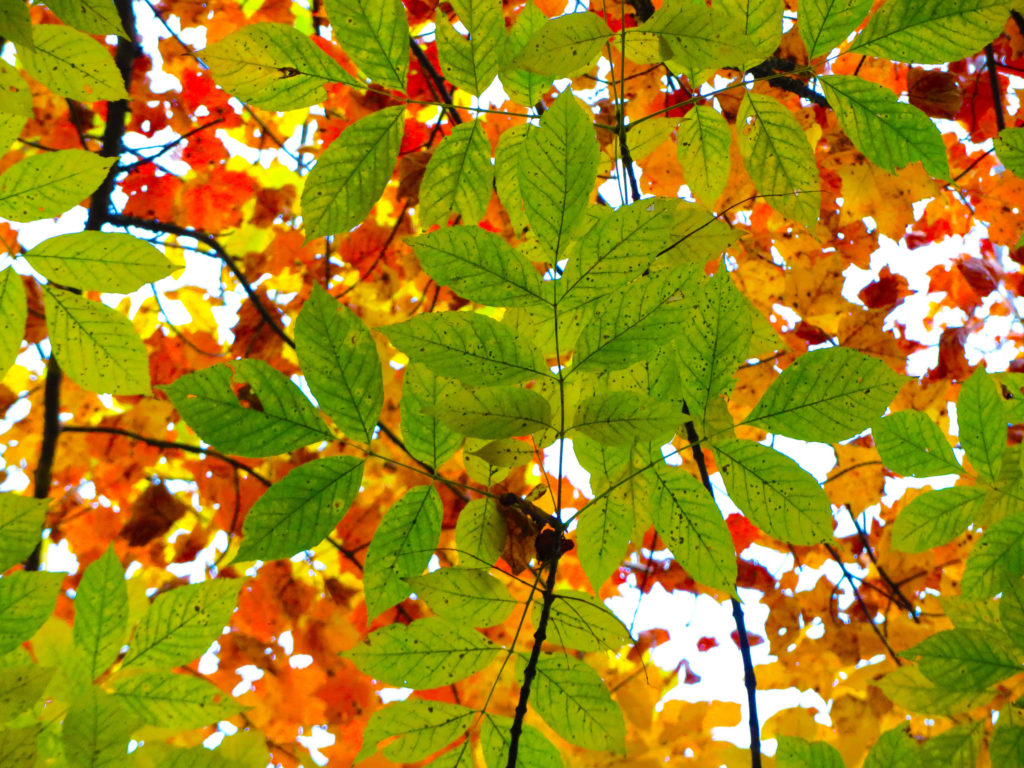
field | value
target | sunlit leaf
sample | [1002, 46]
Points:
[16, 24]
[469, 596]
[533, 749]
[459, 177]
[492, 413]
[1009, 146]
[480, 533]
[46, 185]
[981, 419]
[471, 64]
[626, 417]
[174, 701]
[101, 613]
[912, 444]
[565, 46]
[794, 752]
[72, 64]
[111, 262]
[96, 730]
[936, 517]
[582, 622]
[909, 688]
[376, 37]
[602, 535]
[21, 523]
[97, 17]
[26, 601]
[23, 685]
[824, 24]
[703, 147]
[523, 86]
[423, 727]
[426, 437]
[962, 659]
[895, 748]
[996, 559]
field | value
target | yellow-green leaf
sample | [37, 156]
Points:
[112, 262]
[46, 185]
[375, 36]
[72, 64]
[459, 177]
[824, 24]
[703, 146]
[566, 46]
[471, 64]
[13, 313]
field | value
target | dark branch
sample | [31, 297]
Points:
[435, 81]
[993, 81]
[863, 606]
[769, 70]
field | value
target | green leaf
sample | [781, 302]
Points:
[533, 749]
[402, 546]
[272, 417]
[774, 492]
[603, 534]
[23, 685]
[170, 700]
[1011, 611]
[581, 622]
[111, 262]
[480, 266]
[459, 177]
[827, 395]
[423, 727]
[557, 170]
[1009, 145]
[472, 64]
[72, 64]
[15, 96]
[685, 515]
[573, 700]
[932, 31]
[506, 175]
[716, 340]
[895, 748]
[181, 624]
[794, 752]
[935, 518]
[694, 36]
[964, 659]
[18, 746]
[779, 158]
[95, 17]
[426, 437]
[468, 346]
[981, 420]
[156, 754]
[469, 596]
[375, 36]
[339, 360]
[427, 653]
[48, 184]
[959, 747]
[101, 613]
[273, 66]
[15, 23]
[697, 236]
[996, 559]
[625, 417]
[301, 509]
[523, 86]
[566, 46]
[1006, 746]
[21, 525]
[632, 324]
[480, 533]
[493, 413]
[912, 444]
[27, 599]
[891, 134]
[352, 173]
[96, 730]
[824, 24]
[702, 144]
[96, 346]
[907, 687]
[761, 24]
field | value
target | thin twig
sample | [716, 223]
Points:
[863, 607]
[435, 81]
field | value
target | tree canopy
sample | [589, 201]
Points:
[291, 399]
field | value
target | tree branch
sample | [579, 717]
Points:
[436, 82]
[993, 81]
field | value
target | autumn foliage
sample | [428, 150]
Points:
[307, 312]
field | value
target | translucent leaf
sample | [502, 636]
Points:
[402, 546]
[694, 36]
[625, 417]
[932, 31]
[981, 419]
[1006, 746]
[1009, 146]
[426, 437]
[506, 175]
[907, 687]
[18, 746]
[692, 526]
[912, 444]
[170, 700]
[794, 752]
[480, 533]
[958, 747]
[13, 314]
[566, 46]
[603, 534]
[339, 360]
[96, 730]
[480, 266]
[702, 144]
[895, 748]
[761, 24]
[493, 413]
[1011, 611]
[21, 526]
[557, 170]
[101, 613]
[774, 492]
[827, 395]
[23, 686]
[15, 94]
[375, 36]
[96, 346]
[964, 659]
[824, 24]
[996, 559]
[72, 64]
[273, 66]
[779, 158]
[351, 173]
[16, 25]
[468, 346]
[533, 750]
[472, 64]
[181, 624]
[111, 262]
[891, 134]
[269, 415]
[96, 17]
[427, 653]
[301, 509]
[935, 518]
[523, 86]
[696, 236]
[46, 185]
[573, 700]
[27, 599]
[423, 727]
[459, 177]
[469, 596]
[156, 754]
[581, 622]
